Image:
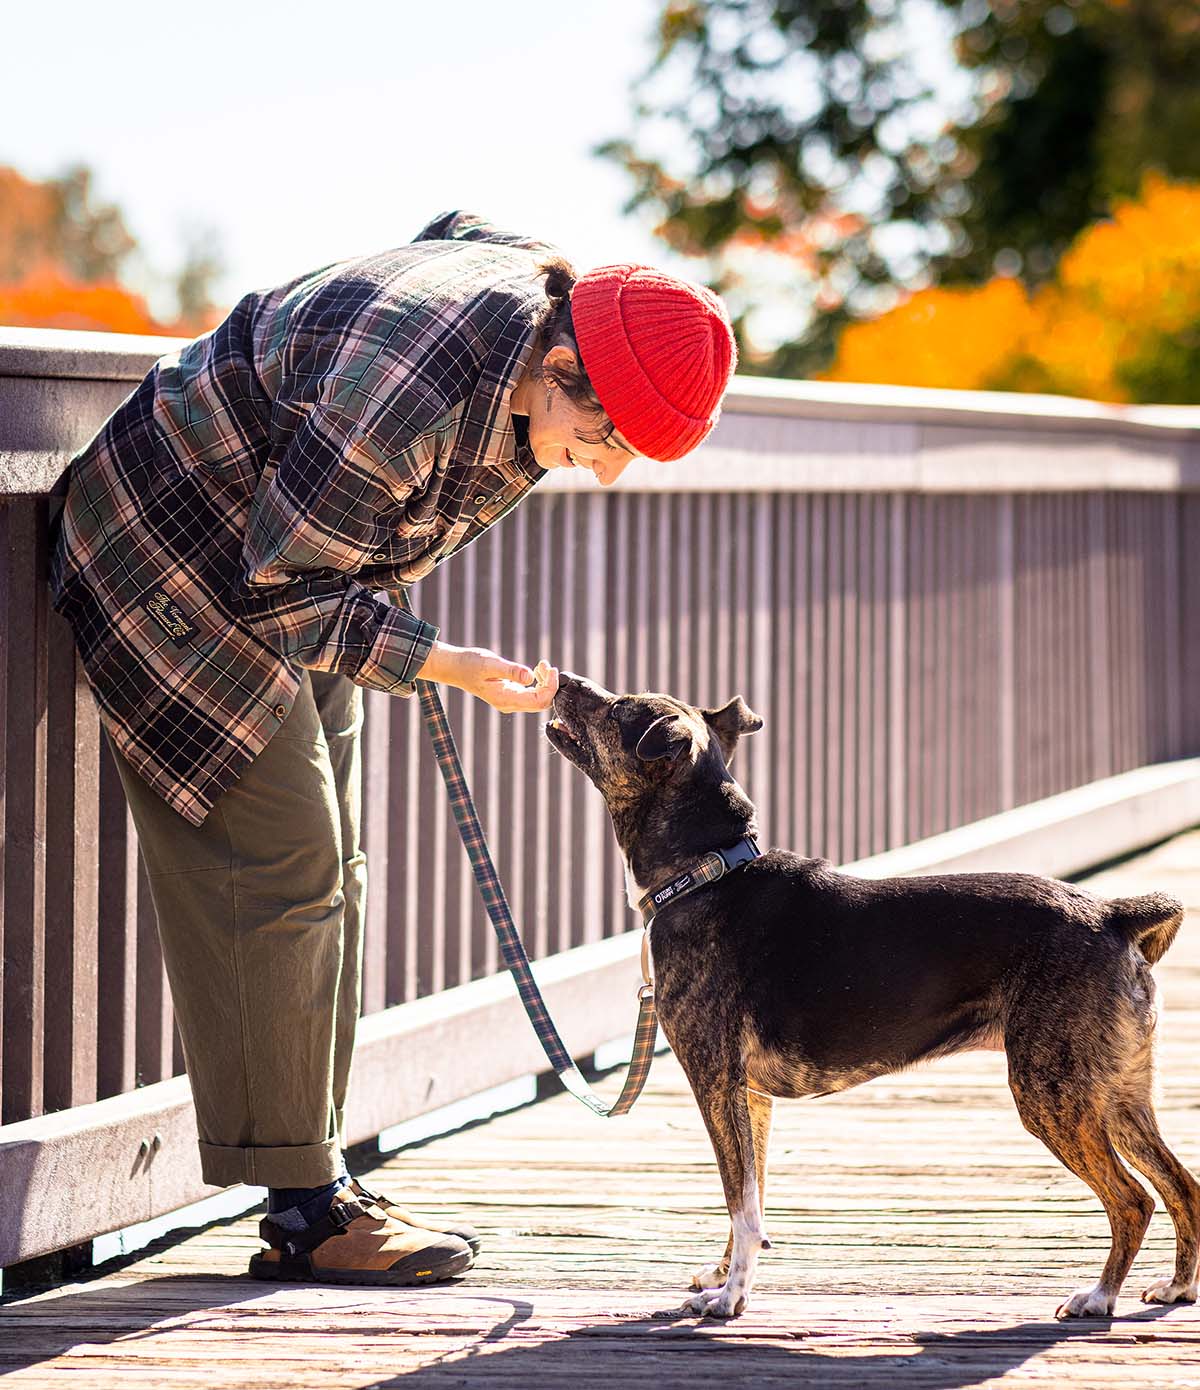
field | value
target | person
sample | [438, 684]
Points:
[227, 554]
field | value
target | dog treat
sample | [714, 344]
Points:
[541, 674]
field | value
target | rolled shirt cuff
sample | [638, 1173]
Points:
[400, 649]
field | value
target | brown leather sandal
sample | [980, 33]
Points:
[351, 1245]
[381, 1203]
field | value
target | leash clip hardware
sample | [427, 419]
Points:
[647, 987]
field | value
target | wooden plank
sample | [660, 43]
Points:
[154, 1044]
[619, 630]
[594, 613]
[819, 839]
[1098, 674]
[1188, 541]
[5, 602]
[955, 653]
[898, 617]
[498, 794]
[447, 864]
[844, 616]
[1171, 690]
[880, 715]
[783, 696]
[704, 619]
[117, 935]
[512, 732]
[377, 833]
[536, 922]
[24, 823]
[940, 656]
[462, 593]
[866, 716]
[403, 880]
[85, 881]
[1006, 643]
[762, 768]
[564, 928]
[428, 864]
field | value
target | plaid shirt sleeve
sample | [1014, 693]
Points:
[321, 514]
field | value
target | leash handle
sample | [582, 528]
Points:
[511, 947]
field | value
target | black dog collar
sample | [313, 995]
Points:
[716, 864]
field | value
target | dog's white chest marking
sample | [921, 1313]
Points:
[633, 888]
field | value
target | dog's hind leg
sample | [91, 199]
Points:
[1135, 1134]
[727, 1117]
[1068, 1120]
[761, 1106]
[1134, 1130]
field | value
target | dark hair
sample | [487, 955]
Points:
[555, 326]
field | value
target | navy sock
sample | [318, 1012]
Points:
[311, 1202]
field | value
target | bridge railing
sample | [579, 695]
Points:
[944, 605]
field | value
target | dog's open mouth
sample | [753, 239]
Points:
[567, 737]
[560, 730]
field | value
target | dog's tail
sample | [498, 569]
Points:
[1149, 922]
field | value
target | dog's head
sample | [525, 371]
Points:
[655, 759]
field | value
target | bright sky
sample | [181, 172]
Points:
[305, 132]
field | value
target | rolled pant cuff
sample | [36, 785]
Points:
[295, 1165]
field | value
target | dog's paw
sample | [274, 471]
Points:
[717, 1303]
[710, 1276]
[1088, 1303]
[1168, 1290]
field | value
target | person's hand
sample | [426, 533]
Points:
[508, 686]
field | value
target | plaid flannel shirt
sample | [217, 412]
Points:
[238, 515]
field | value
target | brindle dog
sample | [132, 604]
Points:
[787, 978]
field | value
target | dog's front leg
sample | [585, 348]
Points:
[727, 1118]
[760, 1105]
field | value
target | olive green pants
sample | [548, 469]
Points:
[260, 916]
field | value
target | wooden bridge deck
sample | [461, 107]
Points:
[922, 1239]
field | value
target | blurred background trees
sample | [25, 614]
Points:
[943, 192]
[63, 255]
[969, 193]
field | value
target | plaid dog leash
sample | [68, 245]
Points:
[492, 892]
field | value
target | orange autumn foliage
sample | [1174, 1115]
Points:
[1120, 321]
[61, 256]
[937, 337]
[49, 298]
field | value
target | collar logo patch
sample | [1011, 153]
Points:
[169, 616]
[666, 894]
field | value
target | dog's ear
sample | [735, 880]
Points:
[665, 738]
[730, 722]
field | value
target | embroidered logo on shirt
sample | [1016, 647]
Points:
[167, 614]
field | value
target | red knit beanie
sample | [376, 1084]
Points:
[659, 352]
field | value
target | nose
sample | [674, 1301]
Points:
[582, 691]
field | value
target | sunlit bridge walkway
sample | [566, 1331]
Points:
[922, 1238]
